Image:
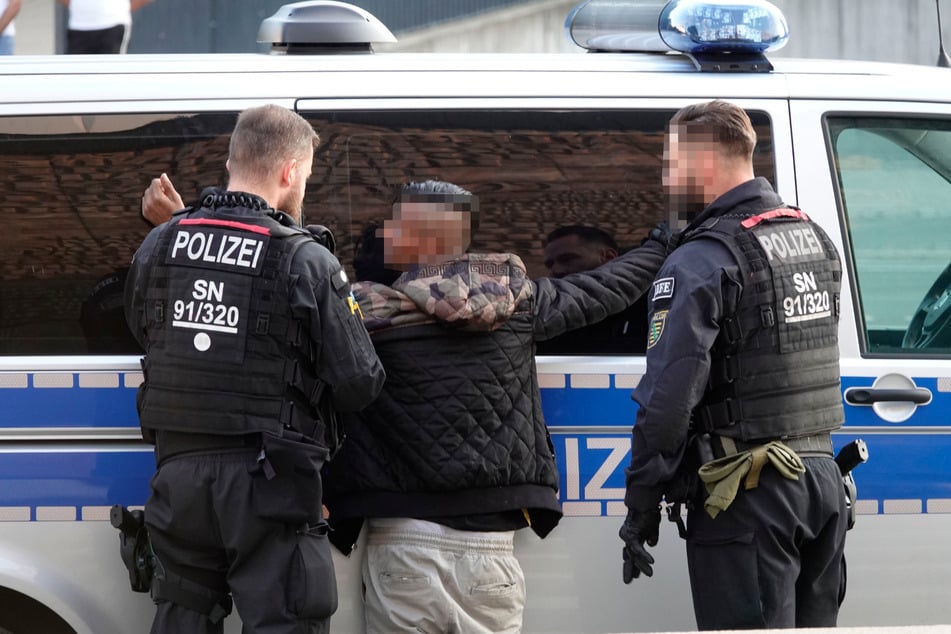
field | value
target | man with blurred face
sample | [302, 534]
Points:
[427, 231]
[691, 165]
[454, 456]
[741, 391]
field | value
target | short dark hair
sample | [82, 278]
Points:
[265, 136]
[591, 235]
[433, 191]
[726, 124]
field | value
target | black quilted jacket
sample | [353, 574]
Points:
[458, 427]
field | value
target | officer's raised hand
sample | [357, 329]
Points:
[639, 528]
[160, 201]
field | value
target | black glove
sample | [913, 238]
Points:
[638, 528]
[323, 235]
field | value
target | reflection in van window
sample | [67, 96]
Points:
[533, 171]
[895, 186]
[71, 187]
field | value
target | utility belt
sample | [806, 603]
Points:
[169, 444]
[285, 469]
[741, 466]
[727, 464]
[816, 445]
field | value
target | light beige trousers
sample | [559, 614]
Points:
[425, 577]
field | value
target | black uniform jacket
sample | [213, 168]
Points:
[341, 348]
[697, 281]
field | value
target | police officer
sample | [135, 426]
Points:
[742, 363]
[253, 340]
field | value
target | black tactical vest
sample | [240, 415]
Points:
[775, 364]
[225, 354]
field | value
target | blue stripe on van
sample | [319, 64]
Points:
[74, 406]
[906, 467]
[564, 407]
[567, 407]
[81, 478]
[902, 468]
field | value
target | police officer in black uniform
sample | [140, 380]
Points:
[253, 340]
[742, 366]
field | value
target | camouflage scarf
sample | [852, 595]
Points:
[476, 292]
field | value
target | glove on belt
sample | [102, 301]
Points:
[722, 476]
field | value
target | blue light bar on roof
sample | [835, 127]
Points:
[749, 27]
[704, 26]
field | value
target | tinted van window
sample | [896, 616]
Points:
[71, 187]
[894, 177]
[533, 171]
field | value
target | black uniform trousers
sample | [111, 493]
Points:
[776, 557]
[207, 537]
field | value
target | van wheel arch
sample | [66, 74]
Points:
[24, 615]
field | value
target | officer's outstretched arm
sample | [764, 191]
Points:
[581, 299]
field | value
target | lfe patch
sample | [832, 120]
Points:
[663, 288]
[656, 328]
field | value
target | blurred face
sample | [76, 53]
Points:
[688, 172]
[424, 233]
[570, 254]
[292, 199]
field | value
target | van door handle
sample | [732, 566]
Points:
[869, 395]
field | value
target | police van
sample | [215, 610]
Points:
[543, 140]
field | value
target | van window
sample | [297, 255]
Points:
[71, 188]
[894, 177]
[533, 170]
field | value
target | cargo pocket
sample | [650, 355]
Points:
[286, 485]
[724, 573]
[398, 582]
[497, 593]
[311, 584]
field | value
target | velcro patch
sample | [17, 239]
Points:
[663, 288]
[339, 280]
[656, 328]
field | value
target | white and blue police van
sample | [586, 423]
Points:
[543, 140]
